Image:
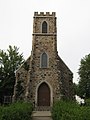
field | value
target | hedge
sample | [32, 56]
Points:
[66, 110]
[16, 111]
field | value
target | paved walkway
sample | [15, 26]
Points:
[41, 115]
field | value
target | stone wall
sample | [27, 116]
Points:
[66, 80]
[21, 81]
[56, 75]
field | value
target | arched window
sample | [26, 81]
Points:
[44, 27]
[44, 60]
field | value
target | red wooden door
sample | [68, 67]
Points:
[43, 95]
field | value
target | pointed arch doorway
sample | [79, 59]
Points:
[43, 95]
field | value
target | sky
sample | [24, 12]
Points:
[73, 27]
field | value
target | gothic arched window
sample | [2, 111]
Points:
[44, 60]
[44, 27]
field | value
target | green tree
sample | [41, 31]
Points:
[9, 62]
[75, 87]
[84, 74]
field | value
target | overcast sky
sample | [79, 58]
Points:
[73, 27]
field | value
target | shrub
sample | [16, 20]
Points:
[66, 110]
[87, 102]
[16, 111]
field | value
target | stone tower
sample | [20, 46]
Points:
[44, 77]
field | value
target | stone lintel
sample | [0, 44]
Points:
[45, 34]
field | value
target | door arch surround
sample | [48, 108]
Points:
[51, 93]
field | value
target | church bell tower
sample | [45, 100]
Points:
[44, 33]
[44, 54]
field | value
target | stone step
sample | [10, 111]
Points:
[41, 115]
[41, 118]
[42, 108]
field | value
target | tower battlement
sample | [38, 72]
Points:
[44, 14]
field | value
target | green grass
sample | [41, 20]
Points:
[69, 110]
[16, 111]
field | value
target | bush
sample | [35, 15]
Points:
[16, 111]
[87, 102]
[66, 110]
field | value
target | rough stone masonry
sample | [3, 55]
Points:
[44, 78]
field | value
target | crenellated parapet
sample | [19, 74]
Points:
[36, 14]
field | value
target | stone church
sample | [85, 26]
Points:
[44, 78]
